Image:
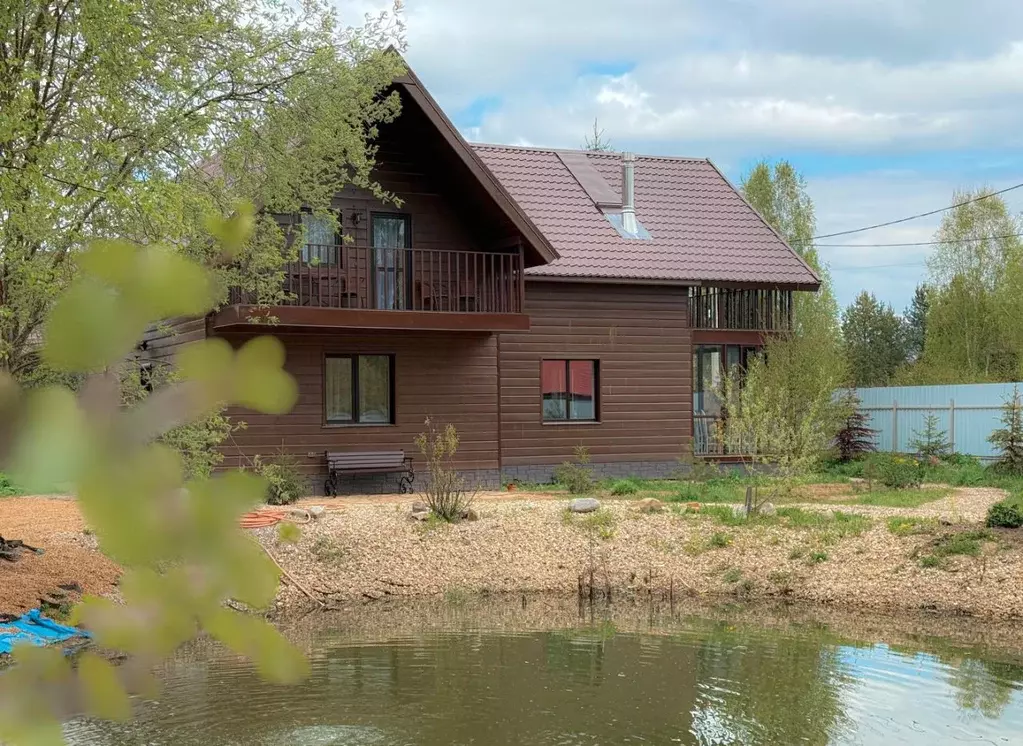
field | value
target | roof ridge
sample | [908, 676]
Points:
[592, 153]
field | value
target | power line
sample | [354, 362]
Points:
[920, 215]
[916, 243]
[878, 266]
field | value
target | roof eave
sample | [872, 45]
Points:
[415, 88]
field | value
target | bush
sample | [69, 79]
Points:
[932, 441]
[7, 487]
[624, 487]
[896, 470]
[285, 481]
[1005, 514]
[445, 492]
[1008, 439]
[719, 540]
[575, 475]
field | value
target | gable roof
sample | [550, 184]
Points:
[536, 238]
[702, 230]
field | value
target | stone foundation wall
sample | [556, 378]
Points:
[613, 470]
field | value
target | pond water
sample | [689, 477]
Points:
[688, 680]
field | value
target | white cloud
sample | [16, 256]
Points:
[741, 79]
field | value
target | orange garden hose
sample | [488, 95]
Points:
[263, 518]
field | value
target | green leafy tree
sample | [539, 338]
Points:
[972, 329]
[1008, 439]
[177, 539]
[875, 341]
[142, 121]
[803, 368]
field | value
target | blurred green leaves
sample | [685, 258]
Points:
[179, 542]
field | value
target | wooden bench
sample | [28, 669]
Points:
[368, 462]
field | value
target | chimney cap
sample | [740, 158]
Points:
[628, 156]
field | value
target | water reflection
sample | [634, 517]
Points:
[691, 681]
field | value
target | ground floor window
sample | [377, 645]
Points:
[358, 389]
[711, 363]
[569, 389]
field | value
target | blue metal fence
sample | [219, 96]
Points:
[969, 413]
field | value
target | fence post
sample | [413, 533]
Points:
[895, 425]
[952, 424]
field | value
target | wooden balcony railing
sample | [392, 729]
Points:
[740, 309]
[361, 277]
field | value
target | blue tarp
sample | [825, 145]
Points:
[35, 629]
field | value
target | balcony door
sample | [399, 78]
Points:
[391, 237]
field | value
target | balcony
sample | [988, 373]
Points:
[380, 288]
[740, 309]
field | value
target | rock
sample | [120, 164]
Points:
[421, 516]
[857, 480]
[650, 505]
[420, 507]
[470, 515]
[584, 505]
[316, 512]
[828, 515]
[767, 509]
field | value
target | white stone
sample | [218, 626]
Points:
[584, 505]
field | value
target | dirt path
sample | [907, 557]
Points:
[56, 526]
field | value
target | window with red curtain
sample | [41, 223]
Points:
[569, 389]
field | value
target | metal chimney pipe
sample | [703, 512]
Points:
[629, 223]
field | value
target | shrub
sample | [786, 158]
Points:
[7, 487]
[624, 487]
[719, 540]
[1005, 514]
[816, 557]
[896, 470]
[575, 475]
[1008, 439]
[445, 491]
[854, 440]
[932, 441]
[285, 481]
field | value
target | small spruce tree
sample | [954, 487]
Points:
[854, 440]
[1009, 438]
[932, 441]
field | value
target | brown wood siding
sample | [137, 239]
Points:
[445, 376]
[642, 339]
[165, 340]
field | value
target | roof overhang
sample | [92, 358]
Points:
[415, 89]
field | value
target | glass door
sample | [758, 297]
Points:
[390, 236]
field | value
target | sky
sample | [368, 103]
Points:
[885, 106]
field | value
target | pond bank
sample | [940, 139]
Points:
[936, 557]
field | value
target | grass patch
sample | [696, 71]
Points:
[732, 575]
[798, 552]
[601, 523]
[907, 526]
[725, 490]
[817, 556]
[623, 487]
[328, 551]
[719, 540]
[837, 522]
[965, 544]
[911, 498]
[8, 488]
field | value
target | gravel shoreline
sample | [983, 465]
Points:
[366, 552]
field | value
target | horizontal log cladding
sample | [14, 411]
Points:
[641, 338]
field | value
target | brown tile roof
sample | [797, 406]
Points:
[701, 228]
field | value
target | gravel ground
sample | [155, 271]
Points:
[371, 550]
[54, 525]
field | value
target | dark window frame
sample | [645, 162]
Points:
[568, 420]
[338, 237]
[409, 270]
[354, 358]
